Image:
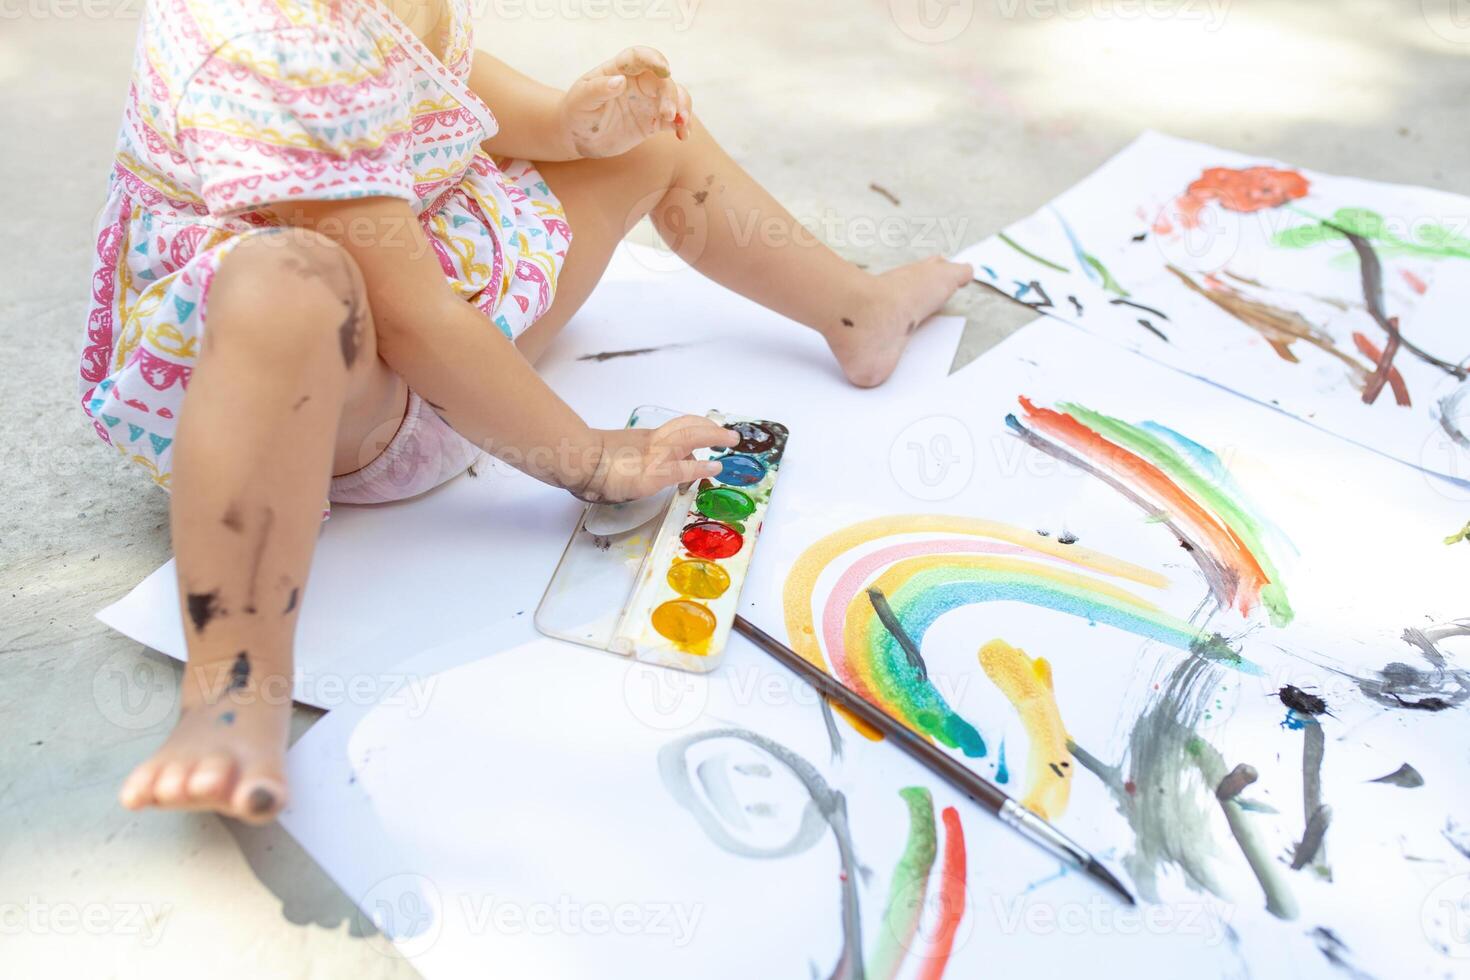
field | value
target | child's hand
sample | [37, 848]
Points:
[622, 102]
[638, 462]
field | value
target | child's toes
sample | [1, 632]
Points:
[210, 782]
[169, 789]
[137, 789]
[258, 797]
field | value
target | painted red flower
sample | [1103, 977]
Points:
[1250, 189]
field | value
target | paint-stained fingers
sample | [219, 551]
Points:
[683, 435]
[687, 471]
[596, 91]
[685, 116]
[637, 60]
[668, 103]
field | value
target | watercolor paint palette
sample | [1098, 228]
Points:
[659, 580]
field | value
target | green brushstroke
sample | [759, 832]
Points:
[1108, 282]
[1460, 535]
[1433, 241]
[907, 888]
[1215, 487]
[1031, 255]
[1279, 899]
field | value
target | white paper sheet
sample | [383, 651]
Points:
[1100, 256]
[557, 849]
[391, 580]
[1365, 562]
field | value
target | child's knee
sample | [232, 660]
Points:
[294, 289]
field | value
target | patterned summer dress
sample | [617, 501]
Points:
[238, 104]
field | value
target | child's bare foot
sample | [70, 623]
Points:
[226, 752]
[869, 338]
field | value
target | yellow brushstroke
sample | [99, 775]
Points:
[1027, 685]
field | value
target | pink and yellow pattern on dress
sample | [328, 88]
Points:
[887, 580]
[235, 108]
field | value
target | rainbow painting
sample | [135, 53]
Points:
[1178, 483]
[891, 578]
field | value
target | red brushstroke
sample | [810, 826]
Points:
[1246, 190]
[1415, 283]
[951, 897]
[1370, 350]
[1222, 543]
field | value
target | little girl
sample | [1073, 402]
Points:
[324, 272]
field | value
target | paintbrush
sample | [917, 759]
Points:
[1010, 813]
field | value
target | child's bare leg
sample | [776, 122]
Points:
[289, 360]
[716, 217]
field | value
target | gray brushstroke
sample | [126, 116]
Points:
[1314, 745]
[1401, 685]
[1163, 800]
[1336, 951]
[1405, 776]
[1223, 583]
[753, 769]
[715, 779]
[1449, 412]
[1457, 835]
[834, 734]
[1312, 837]
[825, 806]
[1166, 808]
[900, 635]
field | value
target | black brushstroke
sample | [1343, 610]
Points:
[1371, 271]
[1153, 330]
[267, 518]
[1405, 776]
[203, 607]
[1067, 537]
[239, 672]
[291, 602]
[1075, 304]
[895, 629]
[1336, 951]
[846, 322]
[1401, 685]
[1139, 306]
[1045, 302]
[613, 354]
[1139, 237]
[1301, 702]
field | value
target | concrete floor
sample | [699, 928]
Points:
[970, 125]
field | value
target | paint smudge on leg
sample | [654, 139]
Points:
[203, 608]
[239, 671]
